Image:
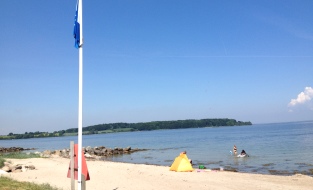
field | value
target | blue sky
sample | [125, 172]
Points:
[152, 60]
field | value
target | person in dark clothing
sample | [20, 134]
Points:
[243, 152]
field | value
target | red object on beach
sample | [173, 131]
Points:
[84, 165]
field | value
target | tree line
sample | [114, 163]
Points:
[143, 126]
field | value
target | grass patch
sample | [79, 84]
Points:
[70, 134]
[2, 160]
[105, 131]
[123, 129]
[9, 184]
[16, 155]
[116, 130]
[5, 137]
[19, 155]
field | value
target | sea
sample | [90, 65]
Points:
[275, 148]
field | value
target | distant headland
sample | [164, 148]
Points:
[128, 127]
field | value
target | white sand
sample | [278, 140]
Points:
[123, 176]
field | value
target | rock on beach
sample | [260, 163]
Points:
[92, 152]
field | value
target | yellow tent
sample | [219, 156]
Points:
[181, 164]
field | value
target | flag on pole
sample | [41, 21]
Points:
[78, 35]
[77, 23]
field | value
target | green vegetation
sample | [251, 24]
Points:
[8, 184]
[5, 137]
[36, 134]
[126, 127]
[2, 160]
[16, 155]
[116, 130]
[19, 155]
[156, 125]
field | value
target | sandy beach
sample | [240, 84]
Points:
[106, 175]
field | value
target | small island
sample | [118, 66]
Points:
[128, 127]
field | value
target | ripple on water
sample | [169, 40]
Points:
[268, 164]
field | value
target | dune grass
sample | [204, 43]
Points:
[19, 155]
[16, 155]
[10, 184]
[2, 160]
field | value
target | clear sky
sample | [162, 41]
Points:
[153, 60]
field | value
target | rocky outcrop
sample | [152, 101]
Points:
[103, 151]
[95, 153]
[89, 152]
[13, 149]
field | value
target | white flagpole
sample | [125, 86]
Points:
[80, 97]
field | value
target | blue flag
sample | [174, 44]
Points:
[76, 31]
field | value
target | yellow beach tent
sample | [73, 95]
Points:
[181, 164]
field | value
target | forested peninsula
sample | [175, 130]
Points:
[127, 127]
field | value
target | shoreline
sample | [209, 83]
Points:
[112, 155]
[226, 168]
[120, 175]
[208, 147]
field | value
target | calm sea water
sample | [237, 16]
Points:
[280, 148]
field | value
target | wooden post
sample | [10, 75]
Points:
[72, 165]
[83, 182]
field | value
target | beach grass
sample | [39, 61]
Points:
[16, 155]
[8, 184]
[19, 155]
[2, 160]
